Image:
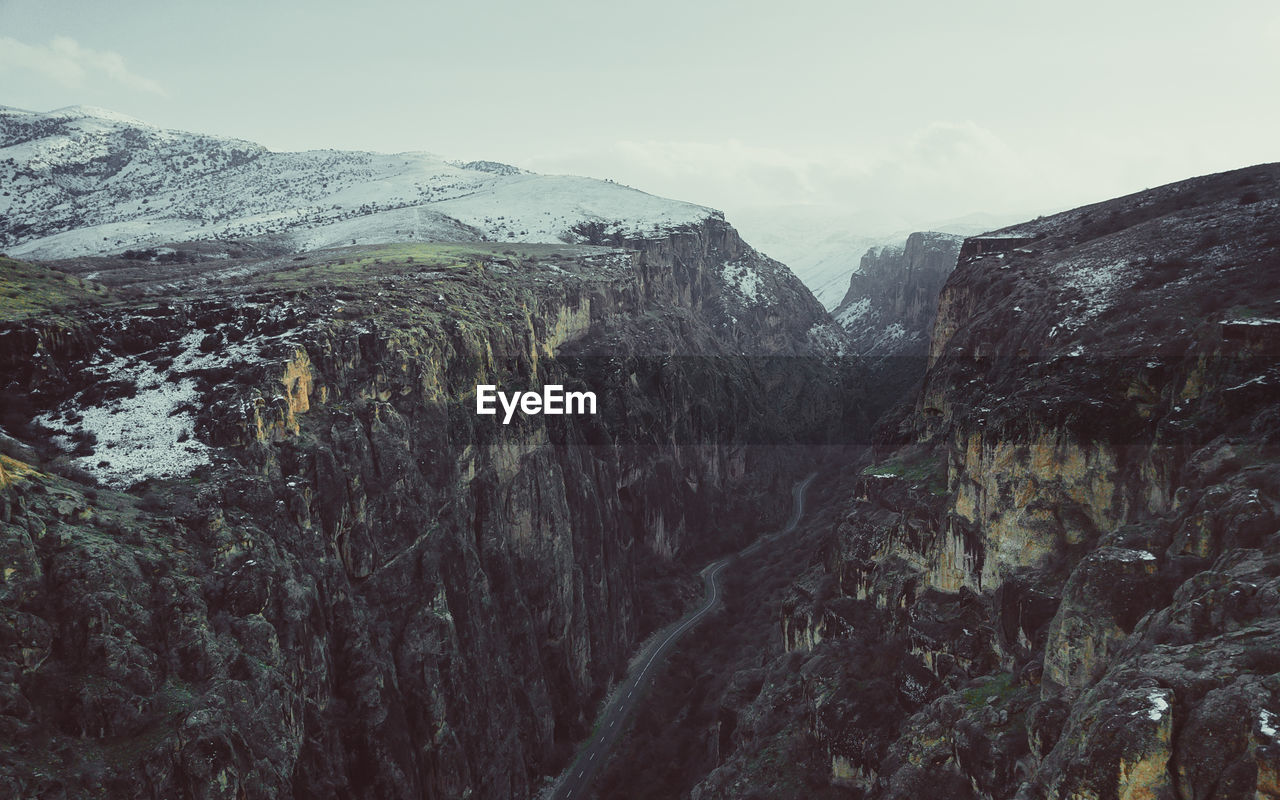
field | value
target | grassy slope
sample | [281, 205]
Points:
[28, 290]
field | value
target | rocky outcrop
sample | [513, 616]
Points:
[1076, 543]
[889, 307]
[335, 579]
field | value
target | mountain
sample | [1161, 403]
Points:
[890, 304]
[83, 181]
[1059, 578]
[257, 540]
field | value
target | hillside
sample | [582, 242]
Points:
[84, 181]
[888, 308]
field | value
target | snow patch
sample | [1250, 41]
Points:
[151, 434]
[1099, 281]
[852, 313]
[1260, 380]
[824, 336]
[1129, 555]
[743, 276]
[1159, 700]
[148, 435]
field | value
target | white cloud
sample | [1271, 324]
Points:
[65, 62]
[945, 169]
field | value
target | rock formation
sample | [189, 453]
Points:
[267, 549]
[889, 307]
[1073, 530]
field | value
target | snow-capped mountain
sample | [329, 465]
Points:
[85, 181]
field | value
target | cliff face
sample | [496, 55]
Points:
[892, 298]
[327, 575]
[1077, 545]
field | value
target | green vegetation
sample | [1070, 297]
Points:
[926, 470]
[28, 290]
[374, 261]
[1244, 312]
[1002, 687]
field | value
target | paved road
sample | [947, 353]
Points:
[574, 781]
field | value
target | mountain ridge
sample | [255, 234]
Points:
[82, 182]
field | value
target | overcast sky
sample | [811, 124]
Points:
[896, 113]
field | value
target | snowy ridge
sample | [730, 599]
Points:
[82, 181]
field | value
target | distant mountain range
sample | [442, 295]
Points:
[84, 181]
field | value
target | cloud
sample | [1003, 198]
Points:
[65, 62]
[944, 169]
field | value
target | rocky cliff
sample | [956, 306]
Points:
[892, 298]
[256, 543]
[1072, 533]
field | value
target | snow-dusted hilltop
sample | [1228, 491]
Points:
[85, 181]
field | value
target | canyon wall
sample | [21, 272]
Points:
[1072, 532]
[889, 306]
[336, 580]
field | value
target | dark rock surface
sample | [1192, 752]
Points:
[1072, 530]
[334, 579]
[892, 298]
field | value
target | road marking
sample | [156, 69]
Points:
[580, 773]
[612, 723]
[593, 757]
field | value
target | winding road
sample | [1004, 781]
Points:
[574, 781]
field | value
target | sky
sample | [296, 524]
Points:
[881, 115]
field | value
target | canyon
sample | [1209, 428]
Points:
[350, 582]
[257, 542]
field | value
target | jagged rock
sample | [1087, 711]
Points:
[892, 297]
[1103, 599]
[1096, 421]
[344, 582]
